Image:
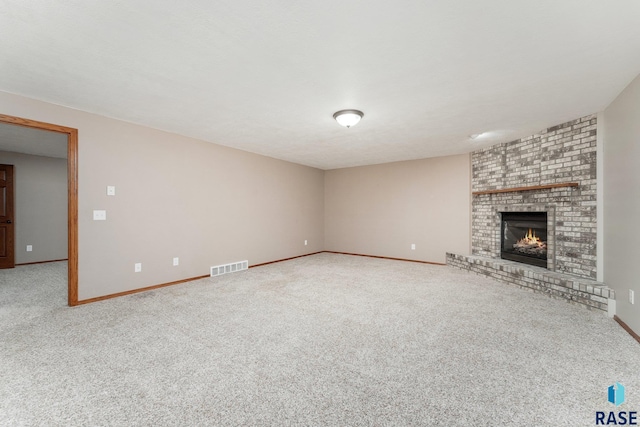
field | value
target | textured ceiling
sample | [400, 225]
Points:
[266, 77]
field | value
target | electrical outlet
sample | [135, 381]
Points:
[413, 246]
[176, 261]
[631, 297]
[138, 267]
[305, 243]
[111, 190]
[29, 248]
[99, 215]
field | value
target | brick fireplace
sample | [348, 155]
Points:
[552, 172]
[535, 169]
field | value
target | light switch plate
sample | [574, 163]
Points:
[137, 268]
[413, 246]
[99, 215]
[176, 261]
[111, 190]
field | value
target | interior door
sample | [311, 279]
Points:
[7, 259]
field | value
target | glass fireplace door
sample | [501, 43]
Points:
[524, 237]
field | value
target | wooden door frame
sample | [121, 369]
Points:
[72, 188]
[8, 212]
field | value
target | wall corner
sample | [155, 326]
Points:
[600, 197]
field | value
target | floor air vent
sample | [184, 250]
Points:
[229, 268]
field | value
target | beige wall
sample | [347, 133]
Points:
[40, 202]
[178, 197]
[382, 209]
[621, 143]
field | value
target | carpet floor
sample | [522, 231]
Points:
[321, 340]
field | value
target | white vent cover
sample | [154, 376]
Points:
[229, 268]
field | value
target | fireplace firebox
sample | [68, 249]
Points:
[524, 237]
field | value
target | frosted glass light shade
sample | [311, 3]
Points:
[348, 118]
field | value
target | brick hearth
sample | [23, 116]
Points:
[577, 290]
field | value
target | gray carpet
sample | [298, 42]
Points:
[321, 340]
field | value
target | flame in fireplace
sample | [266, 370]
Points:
[530, 239]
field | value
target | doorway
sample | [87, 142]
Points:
[72, 194]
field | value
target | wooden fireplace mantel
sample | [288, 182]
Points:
[534, 187]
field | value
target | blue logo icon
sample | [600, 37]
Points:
[616, 394]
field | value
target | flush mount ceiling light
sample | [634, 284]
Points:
[348, 118]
